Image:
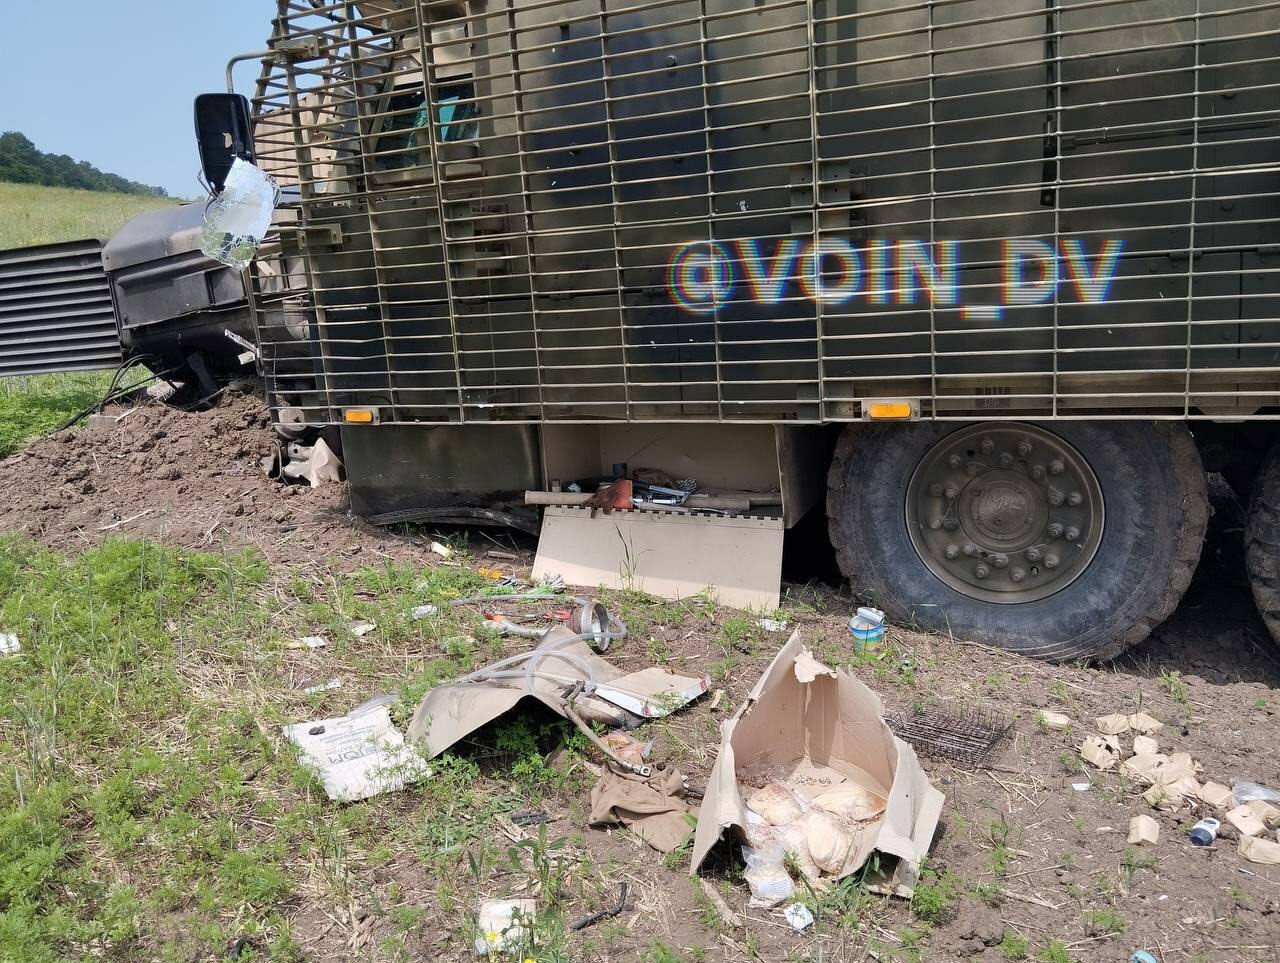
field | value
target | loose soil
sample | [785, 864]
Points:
[1064, 871]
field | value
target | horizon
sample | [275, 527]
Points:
[157, 56]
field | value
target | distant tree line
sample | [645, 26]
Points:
[22, 163]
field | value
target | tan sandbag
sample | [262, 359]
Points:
[1216, 795]
[851, 801]
[1142, 768]
[794, 840]
[776, 803]
[1143, 831]
[1178, 779]
[829, 841]
[1268, 813]
[1113, 724]
[1053, 720]
[1096, 751]
[1184, 760]
[1145, 724]
[1248, 822]
[1161, 797]
[1257, 850]
[1145, 746]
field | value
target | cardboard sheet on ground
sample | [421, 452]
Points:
[452, 712]
[358, 755]
[803, 720]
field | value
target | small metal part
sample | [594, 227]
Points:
[981, 570]
[1006, 460]
[1074, 499]
[1056, 467]
[950, 524]
[1072, 533]
[1054, 530]
[1018, 574]
[955, 461]
[952, 551]
[1024, 448]
[935, 491]
[987, 446]
[935, 523]
[1051, 561]
[1037, 472]
[1034, 555]
[1000, 561]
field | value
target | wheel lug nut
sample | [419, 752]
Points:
[1073, 533]
[1055, 498]
[1055, 530]
[972, 468]
[1000, 561]
[1017, 575]
[951, 493]
[952, 551]
[981, 571]
[1056, 467]
[950, 524]
[935, 491]
[954, 461]
[1024, 448]
[935, 523]
[1006, 460]
[987, 446]
[1075, 498]
[970, 549]
[1051, 561]
[1033, 555]
[1037, 472]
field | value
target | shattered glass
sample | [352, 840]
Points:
[237, 220]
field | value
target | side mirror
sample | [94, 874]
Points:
[224, 132]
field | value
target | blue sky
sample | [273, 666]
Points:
[111, 81]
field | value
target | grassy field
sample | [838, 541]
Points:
[29, 215]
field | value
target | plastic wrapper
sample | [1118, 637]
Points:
[1243, 792]
[767, 875]
[237, 220]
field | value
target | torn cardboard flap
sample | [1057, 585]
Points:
[452, 712]
[808, 723]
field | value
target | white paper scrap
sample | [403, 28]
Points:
[358, 755]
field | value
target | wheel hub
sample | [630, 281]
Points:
[1005, 513]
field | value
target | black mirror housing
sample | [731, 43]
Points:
[224, 132]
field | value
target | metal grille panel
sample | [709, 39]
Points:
[584, 210]
[55, 310]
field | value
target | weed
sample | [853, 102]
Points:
[1014, 946]
[1058, 691]
[1055, 951]
[1134, 861]
[935, 895]
[660, 952]
[1103, 922]
[1071, 763]
[990, 893]
[1173, 683]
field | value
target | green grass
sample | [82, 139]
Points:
[31, 214]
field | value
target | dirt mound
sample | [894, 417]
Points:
[187, 478]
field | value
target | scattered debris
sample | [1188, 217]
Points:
[766, 875]
[1258, 850]
[1205, 832]
[315, 464]
[965, 734]
[1145, 746]
[9, 644]
[358, 755]
[1246, 821]
[656, 808]
[1243, 792]
[308, 642]
[423, 612]
[798, 915]
[1145, 724]
[444, 551]
[1143, 831]
[361, 629]
[867, 626]
[1216, 795]
[771, 625]
[504, 924]
[716, 698]
[1142, 956]
[820, 733]
[1101, 751]
[1112, 725]
[531, 817]
[1053, 720]
[604, 914]
[323, 687]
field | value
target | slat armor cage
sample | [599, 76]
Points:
[769, 211]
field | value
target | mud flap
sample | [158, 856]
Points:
[739, 559]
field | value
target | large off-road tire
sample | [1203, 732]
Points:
[1066, 541]
[1262, 542]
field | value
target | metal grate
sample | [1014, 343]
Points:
[859, 198]
[55, 310]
